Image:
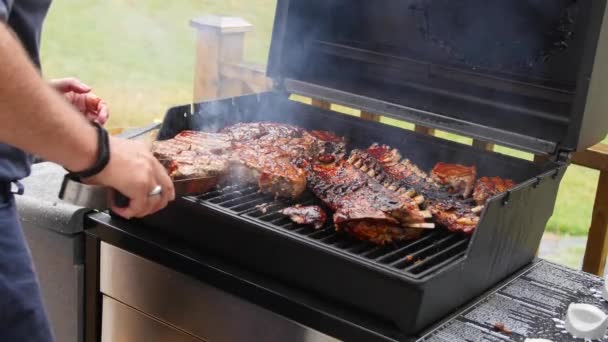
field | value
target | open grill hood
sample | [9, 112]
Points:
[518, 73]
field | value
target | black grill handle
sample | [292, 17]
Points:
[120, 200]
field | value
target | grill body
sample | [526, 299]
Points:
[410, 284]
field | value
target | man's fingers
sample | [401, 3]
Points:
[103, 114]
[92, 102]
[135, 172]
[70, 84]
[165, 182]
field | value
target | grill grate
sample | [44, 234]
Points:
[419, 258]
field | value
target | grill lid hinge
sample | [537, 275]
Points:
[563, 156]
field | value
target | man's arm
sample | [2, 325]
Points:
[35, 118]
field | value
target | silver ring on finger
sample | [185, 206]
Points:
[156, 191]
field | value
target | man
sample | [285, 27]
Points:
[35, 118]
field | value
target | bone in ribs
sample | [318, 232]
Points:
[402, 176]
[362, 207]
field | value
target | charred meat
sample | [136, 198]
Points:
[269, 153]
[267, 166]
[309, 215]
[406, 179]
[243, 132]
[258, 153]
[190, 164]
[460, 179]
[487, 187]
[362, 207]
[193, 155]
[375, 195]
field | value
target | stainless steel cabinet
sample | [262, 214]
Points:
[171, 303]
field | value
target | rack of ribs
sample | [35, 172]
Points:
[406, 179]
[362, 207]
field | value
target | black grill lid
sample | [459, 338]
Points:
[530, 74]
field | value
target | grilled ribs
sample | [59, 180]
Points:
[309, 215]
[375, 194]
[406, 179]
[487, 187]
[363, 207]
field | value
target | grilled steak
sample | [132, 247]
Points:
[459, 178]
[362, 207]
[406, 179]
[243, 132]
[167, 149]
[268, 153]
[309, 215]
[259, 153]
[193, 155]
[205, 142]
[270, 167]
[191, 164]
[487, 187]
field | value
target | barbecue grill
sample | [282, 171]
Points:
[523, 74]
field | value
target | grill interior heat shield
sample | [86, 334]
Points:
[518, 73]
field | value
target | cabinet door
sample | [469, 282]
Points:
[120, 323]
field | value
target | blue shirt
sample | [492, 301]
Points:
[25, 18]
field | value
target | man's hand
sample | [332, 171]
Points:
[81, 97]
[134, 172]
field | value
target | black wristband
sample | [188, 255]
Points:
[103, 155]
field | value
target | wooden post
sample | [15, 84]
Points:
[482, 145]
[424, 130]
[370, 116]
[218, 39]
[596, 157]
[597, 241]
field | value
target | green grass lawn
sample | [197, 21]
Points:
[139, 55]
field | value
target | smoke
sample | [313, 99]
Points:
[389, 50]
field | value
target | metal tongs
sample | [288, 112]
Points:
[101, 198]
